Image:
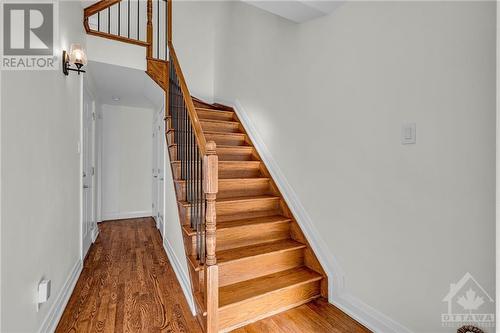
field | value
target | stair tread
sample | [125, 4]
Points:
[215, 110]
[249, 198]
[239, 253]
[245, 148]
[257, 287]
[242, 223]
[205, 120]
[240, 199]
[224, 133]
[230, 180]
[253, 221]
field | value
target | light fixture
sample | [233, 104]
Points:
[76, 57]
[115, 98]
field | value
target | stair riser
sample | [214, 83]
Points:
[170, 138]
[227, 211]
[235, 188]
[252, 267]
[176, 170]
[240, 314]
[220, 127]
[231, 155]
[214, 115]
[230, 238]
[173, 152]
[253, 208]
[227, 140]
[238, 171]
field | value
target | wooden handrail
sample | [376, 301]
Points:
[193, 116]
[97, 7]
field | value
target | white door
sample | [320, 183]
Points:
[87, 173]
[160, 168]
[155, 175]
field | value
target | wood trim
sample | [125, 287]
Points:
[97, 7]
[212, 298]
[193, 115]
[117, 38]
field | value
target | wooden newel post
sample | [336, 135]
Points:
[210, 187]
[149, 31]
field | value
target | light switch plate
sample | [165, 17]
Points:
[409, 134]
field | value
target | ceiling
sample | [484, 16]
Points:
[132, 87]
[297, 10]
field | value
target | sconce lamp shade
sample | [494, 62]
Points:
[77, 55]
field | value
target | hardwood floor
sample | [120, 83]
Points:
[317, 316]
[128, 285]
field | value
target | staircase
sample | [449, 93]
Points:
[247, 256]
[265, 263]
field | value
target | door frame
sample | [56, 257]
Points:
[86, 93]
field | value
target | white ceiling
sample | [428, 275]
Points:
[133, 87]
[297, 10]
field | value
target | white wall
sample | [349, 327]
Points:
[116, 53]
[328, 99]
[193, 33]
[126, 162]
[40, 130]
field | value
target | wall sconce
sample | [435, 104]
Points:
[76, 57]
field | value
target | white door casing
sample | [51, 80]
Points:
[88, 217]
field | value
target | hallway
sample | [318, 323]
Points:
[127, 285]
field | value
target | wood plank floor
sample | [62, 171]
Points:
[128, 285]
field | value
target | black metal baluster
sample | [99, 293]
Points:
[138, 20]
[98, 21]
[109, 19]
[166, 28]
[119, 17]
[158, 29]
[128, 19]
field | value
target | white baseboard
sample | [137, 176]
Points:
[182, 276]
[95, 233]
[337, 293]
[52, 318]
[126, 215]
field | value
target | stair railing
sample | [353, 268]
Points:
[199, 171]
[137, 22]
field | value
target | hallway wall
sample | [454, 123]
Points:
[126, 162]
[40, 178]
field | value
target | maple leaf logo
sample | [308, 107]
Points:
[470, 301]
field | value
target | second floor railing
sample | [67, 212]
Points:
[140, 22]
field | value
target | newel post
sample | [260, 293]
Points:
[149, 31]
[210, 187]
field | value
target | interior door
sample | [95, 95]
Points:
[155, 175]
[87, 200]
[160, 167]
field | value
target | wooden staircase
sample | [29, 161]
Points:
[265, 263]
[247, 256]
